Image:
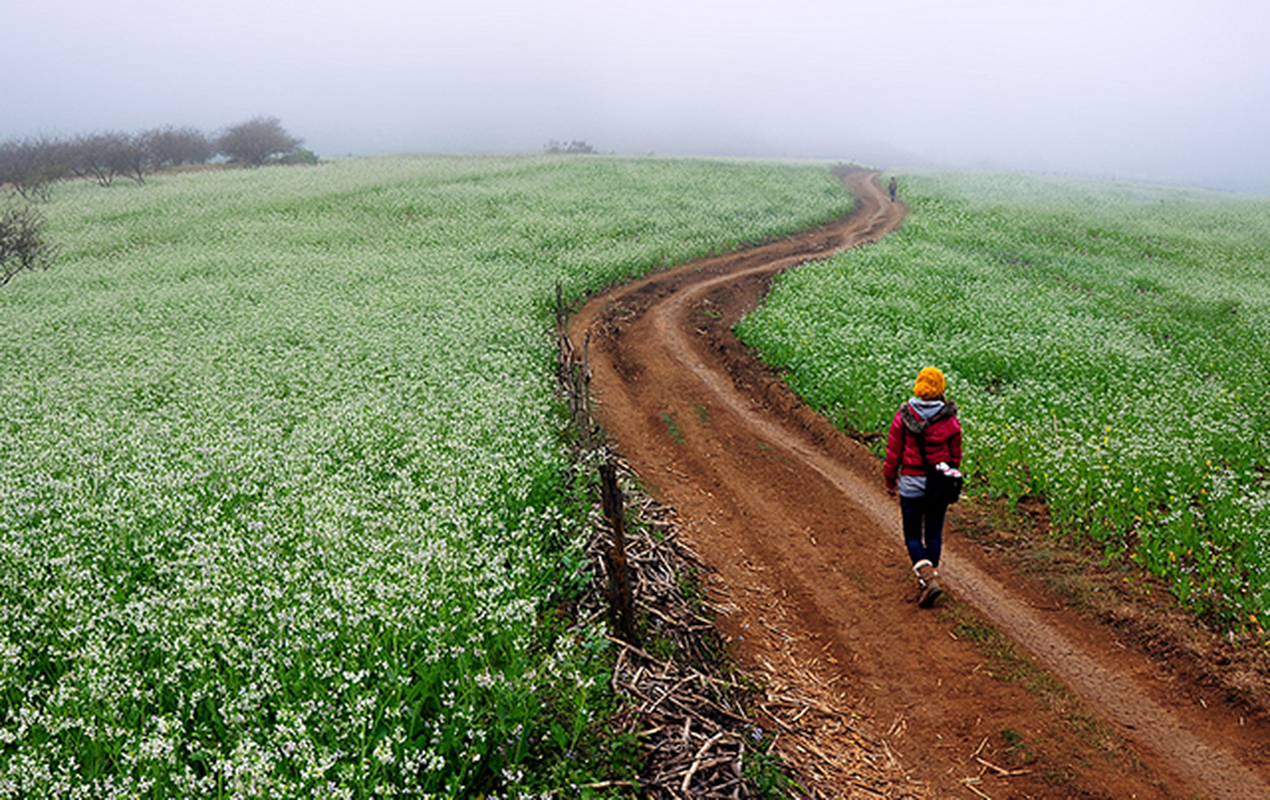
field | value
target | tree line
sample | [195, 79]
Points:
[31, 166]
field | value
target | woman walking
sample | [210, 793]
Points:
[924, 434]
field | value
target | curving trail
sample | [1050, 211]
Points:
[791, 517]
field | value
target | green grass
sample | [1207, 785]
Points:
[1107, 344]
[282, 498]
[672, 426]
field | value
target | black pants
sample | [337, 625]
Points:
[923, 527]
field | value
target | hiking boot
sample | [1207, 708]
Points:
[928, 580]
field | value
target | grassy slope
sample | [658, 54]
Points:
[1107, 344]
[280, 477]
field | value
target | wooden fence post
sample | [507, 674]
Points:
[621, 604]
[575, 376]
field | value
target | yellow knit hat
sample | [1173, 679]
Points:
[930, 384]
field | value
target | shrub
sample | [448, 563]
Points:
[22, 243]
[300, 155]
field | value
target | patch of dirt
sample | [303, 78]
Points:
[1006, 690]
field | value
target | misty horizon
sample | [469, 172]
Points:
[1161, 92]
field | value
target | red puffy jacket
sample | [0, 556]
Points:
[942, 433]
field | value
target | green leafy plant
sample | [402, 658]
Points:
[766, 773]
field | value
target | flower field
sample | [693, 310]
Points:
[1108, 345]
[283, 505]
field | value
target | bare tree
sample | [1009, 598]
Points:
[173, 147]
[22, 243]
[101, 156]
[128, 157]
[13, 167]
[32, 166]
[256, 141]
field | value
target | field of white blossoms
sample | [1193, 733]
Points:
[282, 482]
[1108, 345]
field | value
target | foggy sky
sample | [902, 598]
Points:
[1158, 90]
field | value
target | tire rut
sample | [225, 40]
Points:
[791, 516]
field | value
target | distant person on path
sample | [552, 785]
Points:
[925, 432]
[892, 187]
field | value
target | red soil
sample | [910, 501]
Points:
[791, 516]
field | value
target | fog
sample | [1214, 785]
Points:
[1154, 90]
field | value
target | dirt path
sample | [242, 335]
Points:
[791, 516]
